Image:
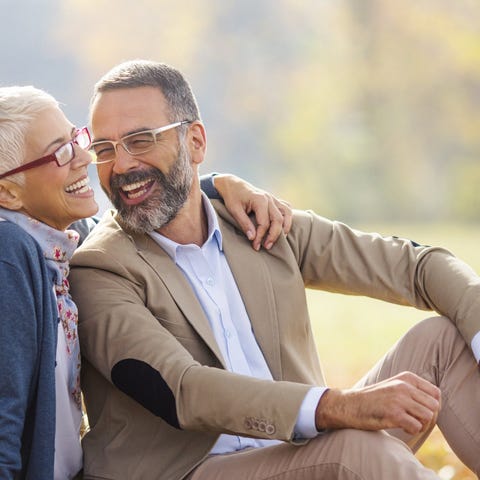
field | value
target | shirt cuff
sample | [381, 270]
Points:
[476, 346]
[305, 426]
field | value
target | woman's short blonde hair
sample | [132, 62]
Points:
[19, 107]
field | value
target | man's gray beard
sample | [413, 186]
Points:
[163, 205]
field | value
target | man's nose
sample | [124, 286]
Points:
[124, 161]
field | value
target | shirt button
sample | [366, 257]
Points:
[210, 282]
[227, 333]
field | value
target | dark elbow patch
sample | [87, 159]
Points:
[145, 385]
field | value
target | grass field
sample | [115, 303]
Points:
[352, 333]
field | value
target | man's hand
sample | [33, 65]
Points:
[271, 214]
[404, 401]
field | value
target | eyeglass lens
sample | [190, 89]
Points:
[82, 138]
[139, 142]
[66, 153]
[134, 144]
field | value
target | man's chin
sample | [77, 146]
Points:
[138, 219]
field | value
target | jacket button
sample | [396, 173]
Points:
[262, 426]
[270, 429]
[247, 423]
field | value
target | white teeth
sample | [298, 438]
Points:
[138, 194]
[134, 186]
[135, 190]
[79, 187]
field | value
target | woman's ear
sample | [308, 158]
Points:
[10, 195]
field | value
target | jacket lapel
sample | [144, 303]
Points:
[179, 288]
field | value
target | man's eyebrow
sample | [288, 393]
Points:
[130, 132]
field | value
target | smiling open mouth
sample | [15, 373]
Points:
[137, 189]
[79, 187]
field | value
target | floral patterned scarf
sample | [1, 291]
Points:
[58, 248]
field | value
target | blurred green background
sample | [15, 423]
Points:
[365, 111]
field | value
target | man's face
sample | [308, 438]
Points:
[149, 189]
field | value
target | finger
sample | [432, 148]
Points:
[262, 229]
[424, 415]
[411, 425]
[420, 383]
[260, 207]
[276, 225]
[429, 388]
[243, 220]
[425, 409]
[426, 400]
[287, 213]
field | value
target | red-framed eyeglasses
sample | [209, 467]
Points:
[62, 156]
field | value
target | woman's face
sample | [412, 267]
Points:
[56, 195]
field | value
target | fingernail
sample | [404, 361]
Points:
[268, 245]
[250, 235]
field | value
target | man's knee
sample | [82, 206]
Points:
[435, 325]
[435, 332]
[377, 455]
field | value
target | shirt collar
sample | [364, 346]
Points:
[214, 233]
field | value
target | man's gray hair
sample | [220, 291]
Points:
[19, 107]
[144, 73]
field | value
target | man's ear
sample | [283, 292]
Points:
[10, 195]
[197, 142]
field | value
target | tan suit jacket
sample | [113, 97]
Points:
[140, 317]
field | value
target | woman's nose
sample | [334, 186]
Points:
[82, 157]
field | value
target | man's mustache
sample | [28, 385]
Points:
[119, 180]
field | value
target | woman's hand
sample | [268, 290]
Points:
[273, 216]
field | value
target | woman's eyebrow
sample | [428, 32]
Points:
[60, 140]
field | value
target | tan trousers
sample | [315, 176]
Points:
[434, 350]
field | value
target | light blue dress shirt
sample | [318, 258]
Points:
[209, 274]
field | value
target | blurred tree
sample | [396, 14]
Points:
[362, 110]
[409, 75]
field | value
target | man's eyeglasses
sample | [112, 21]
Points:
[62, 155]
[135, 143]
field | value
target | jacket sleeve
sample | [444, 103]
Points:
[337, 258]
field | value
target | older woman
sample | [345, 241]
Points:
[44, 187]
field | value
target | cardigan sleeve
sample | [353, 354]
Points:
[208, 186]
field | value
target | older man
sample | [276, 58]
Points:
[200, 360]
